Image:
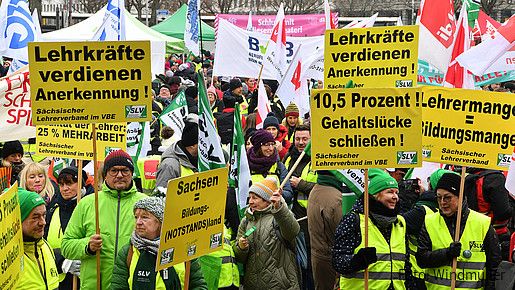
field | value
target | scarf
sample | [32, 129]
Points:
[261, 164]
[143, 244]
[383, 217]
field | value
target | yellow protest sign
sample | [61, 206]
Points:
[377, 57]
[468, 127]
[194, 217]
[90, 82]
[76, 140]
[365, 128]
[11, 251]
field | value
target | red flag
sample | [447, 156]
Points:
[457, 76]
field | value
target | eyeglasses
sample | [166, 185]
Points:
[114, 172]
[445, 198]
[269, 144]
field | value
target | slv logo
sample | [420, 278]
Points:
[404, 84]
[407, 157]
[255, 46]
[476, 246]
[215, 241]
[426, 153]
[135, 111]
[503, 160]
[192, 250]
[167, 256]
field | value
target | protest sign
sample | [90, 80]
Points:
[194, 217]
[296, 25]
[365, 128]
[240, 52]
[468, 127]
[15, 110]
[90, 82]
[75, 140]
[11, 251]
[377, 57]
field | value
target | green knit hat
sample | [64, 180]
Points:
[28, 201]
[379, 181]
[435, 177]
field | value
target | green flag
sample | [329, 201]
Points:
[173, 115]
[239, 172]
[210, 154]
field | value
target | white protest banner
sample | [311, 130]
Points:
[240, 52]
[15, 109]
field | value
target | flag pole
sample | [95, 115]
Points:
[458, 225]
[79, 195]
[365, 199]
[97, 223]
[200, 35]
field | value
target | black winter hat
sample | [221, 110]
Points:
[271, 120]
[11, 147]
[118, 158]
[450, 182]
[74, 172]
[234, 84]
[189, 134]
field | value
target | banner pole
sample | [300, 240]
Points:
[79, 196]
[97, 225]
[365, 209]
[458, 225]
[287, 178]
[187, 275]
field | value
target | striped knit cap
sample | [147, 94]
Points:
[265, 188]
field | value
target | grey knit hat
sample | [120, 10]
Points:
[154, 205]
[265, 188]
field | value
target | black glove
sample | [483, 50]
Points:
[363, 258]
[454, 250]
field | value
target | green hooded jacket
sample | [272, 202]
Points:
[116, 218]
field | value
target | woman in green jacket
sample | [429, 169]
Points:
[265, 239]
[135, 262]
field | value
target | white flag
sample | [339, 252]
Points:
[138, 140]
[263, 107]
[191, 29]
[275, 55]
[293, 87]
[479, 59]
[113, 26]
[249, 22]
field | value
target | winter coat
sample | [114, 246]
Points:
[116, 225]
[269, 264]
[429, 258]
[30, 278]
[121, 272]
[225, 125]
[170, 165]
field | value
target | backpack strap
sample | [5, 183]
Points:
[277, 230]
[130, 252]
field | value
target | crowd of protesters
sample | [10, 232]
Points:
[300, 236]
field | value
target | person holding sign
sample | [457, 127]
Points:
[477, 251]
[386, 256]
[115, 201]
[266, 251]
[135, 262]
[39, 269]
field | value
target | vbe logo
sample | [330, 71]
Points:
[19, 28]
[255, 46]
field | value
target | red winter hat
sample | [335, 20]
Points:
[118, 158]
